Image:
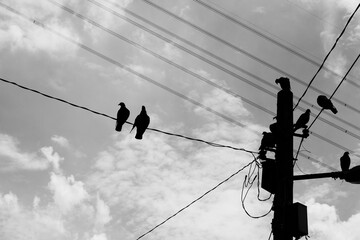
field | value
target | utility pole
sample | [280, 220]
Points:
[283, 200]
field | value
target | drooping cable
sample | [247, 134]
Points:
[113, 118]
[327, 55]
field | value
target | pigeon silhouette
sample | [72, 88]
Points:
[141, 123]
[302, 120]
[326, 103]
[122, 115]
[284, 83]
[267, 141]
[345, 162]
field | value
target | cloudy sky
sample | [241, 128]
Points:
[66, 174]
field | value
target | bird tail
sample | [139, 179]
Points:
[118, 127]
[334, 110]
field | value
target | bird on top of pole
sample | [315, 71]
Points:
[141, 123]
[284, 83]
[122, 115]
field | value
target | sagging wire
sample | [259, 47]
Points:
[248, 182]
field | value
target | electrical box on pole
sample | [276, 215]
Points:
[283, 200]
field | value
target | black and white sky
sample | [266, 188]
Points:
[65, 174]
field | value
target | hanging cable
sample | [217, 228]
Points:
[113, 118]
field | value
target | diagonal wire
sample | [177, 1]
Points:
[352, 65]
[196, 200]
[130, 70]
[213, 36]
[328, 54]
[113, 118]
[236, 76]
[126, 68]
[270, 39]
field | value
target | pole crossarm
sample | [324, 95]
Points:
[334, 175]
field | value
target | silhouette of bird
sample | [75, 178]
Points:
[302, 120]
[345, 162]
[326, 103]
[122, 115]
[284, 83]
[267, 141]
[141, 123]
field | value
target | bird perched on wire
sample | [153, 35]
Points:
[326, 103]
[345, 161]
[302, 120]
[284, 83]
[141, 123]
[122, 115]
[267, 141]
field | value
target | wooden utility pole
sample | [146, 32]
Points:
[283, 200]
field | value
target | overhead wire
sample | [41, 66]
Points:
[113, 118]
[119, 64]
[327, 55]
[268, 38]
[126, 68]
[337, 88]
[195, 74]
[248, 54]
[198, 76]
[194, 201]
[236, 76]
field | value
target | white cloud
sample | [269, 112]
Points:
[13, 158]
[101, 236]
[20, 34]
[19, 223]
[102, 214]
[52, 157]
[67, 193]
[62, 141]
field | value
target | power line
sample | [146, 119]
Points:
[196, 200]
[113, 118]
[352, 65]
[236, 76]
[126, 68]
[268, 38]
[327, 55]
[165, 59]
[246, 53]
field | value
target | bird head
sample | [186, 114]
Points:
[122, 104]
[308, 111]
[346, 153]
